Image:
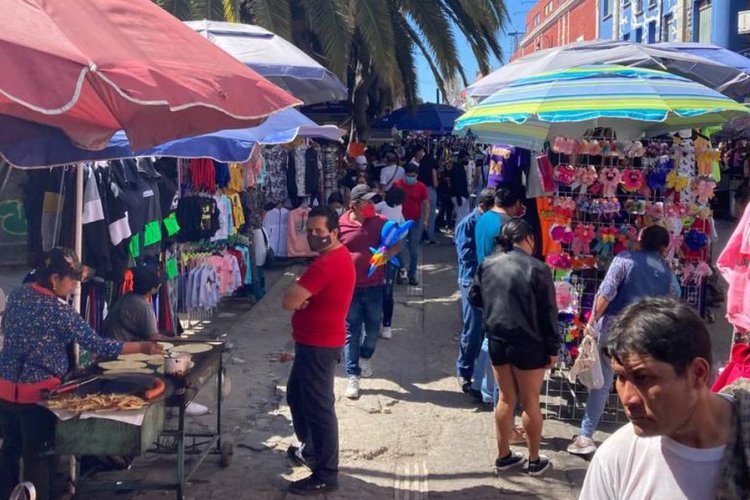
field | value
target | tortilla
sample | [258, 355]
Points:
[156, 359]
[215, 342]
[166, 345]
[147, 371]
[96, 402]
[133, 357]
[192, 348]
[110, 365]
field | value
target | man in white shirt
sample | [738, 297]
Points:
[391, 173]
[676, 441]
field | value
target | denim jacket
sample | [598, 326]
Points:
[466, 248]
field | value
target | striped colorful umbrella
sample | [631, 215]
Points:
[631, 101]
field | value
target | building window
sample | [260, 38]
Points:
[626, 3]
[639, 35]
[651, 4]
[652, 32]
[666, 28]
[704, 22]
[625, 37]
[536, 19]
[549, 8]
[605, 7]
[638, 6]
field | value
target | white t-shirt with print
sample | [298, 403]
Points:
[391, 213]
[628, 467]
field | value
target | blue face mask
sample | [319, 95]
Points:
[410, 180]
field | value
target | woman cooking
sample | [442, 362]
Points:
[40, 328]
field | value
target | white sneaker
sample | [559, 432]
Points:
[386, 332]
[196, 409]
[582, 445]
[365, 367]
[352, 387]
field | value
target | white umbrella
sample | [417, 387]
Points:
[275, 58]
[729, 80]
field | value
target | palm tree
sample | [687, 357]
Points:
[370, 44]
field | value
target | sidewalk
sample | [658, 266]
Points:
[410, 435]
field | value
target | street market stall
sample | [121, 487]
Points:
[604, 165]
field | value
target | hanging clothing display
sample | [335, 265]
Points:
[275, 223]
[276, 159]
[297, 245]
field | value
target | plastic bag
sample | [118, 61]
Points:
[588, 366]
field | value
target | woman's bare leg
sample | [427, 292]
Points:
[529, 385]
[505, 408]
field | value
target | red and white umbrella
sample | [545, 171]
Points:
[91, 68]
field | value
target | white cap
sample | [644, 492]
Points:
[361, 160]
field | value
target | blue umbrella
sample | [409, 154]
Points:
[27, 144]
[429, 117]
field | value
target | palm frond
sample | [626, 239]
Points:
[374, 25]
[181, 9]
[436, 31]
[232, 10]
[405, 60]
[273, 15]
[414, 36]
[330, 21]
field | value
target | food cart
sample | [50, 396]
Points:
[147, 429]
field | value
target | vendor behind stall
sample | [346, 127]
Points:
[132, 317]
[40, 328]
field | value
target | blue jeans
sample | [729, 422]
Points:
[391, 271]
[597, 401]
[259, 282]
[412, 242]
[433, 212]
[484, 378]
[470, 341]
[367, 310]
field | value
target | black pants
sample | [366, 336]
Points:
[309, 393]
[28, 432]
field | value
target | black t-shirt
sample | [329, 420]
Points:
[426, 166]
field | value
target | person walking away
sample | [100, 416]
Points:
[416, 208]
[361, 229]
[460, 187]
[508, 204]
[444, 203]
[320, 300]
[428, 176]
[520, 317]
[683, 441]
[470, 341]
[631, 277]
[391, 173]
[390, 208]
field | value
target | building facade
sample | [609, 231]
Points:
[655, 21]
[551, 23]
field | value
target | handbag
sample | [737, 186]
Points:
[588, 366]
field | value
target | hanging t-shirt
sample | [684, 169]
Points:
[504, 164]
[297, 245]
[275, 224]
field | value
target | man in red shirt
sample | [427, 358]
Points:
[416, 207]
[320, 300]
[361, 229]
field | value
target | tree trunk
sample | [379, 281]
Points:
[360, 102]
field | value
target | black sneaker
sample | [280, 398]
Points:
[508, 462]
[294, 453]
[413, 282]
[464, 384]
[538, 467]
[311, 485]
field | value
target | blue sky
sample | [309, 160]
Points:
[516, 22]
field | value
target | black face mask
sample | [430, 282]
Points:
[318, 243]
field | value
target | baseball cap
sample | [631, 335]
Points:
[362, 192]
[361, 160]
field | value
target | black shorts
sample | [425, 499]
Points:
[526, 356]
